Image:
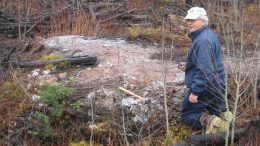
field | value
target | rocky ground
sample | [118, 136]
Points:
[119, 64]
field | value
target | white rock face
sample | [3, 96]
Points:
[116, 57]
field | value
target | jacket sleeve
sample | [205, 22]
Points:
[203, 56]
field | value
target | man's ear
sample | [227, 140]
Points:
[202, 22]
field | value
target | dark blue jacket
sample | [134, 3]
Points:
[204, 67]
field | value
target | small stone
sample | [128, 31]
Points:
[62, 75]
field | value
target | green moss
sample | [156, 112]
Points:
[135, 32]
[65, 63]
[48, 66]
[13, 90]
[179, 132]
[49, 57]
[85, 143]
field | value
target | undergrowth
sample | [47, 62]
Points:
[54, 95]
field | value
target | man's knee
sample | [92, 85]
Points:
[192, 120]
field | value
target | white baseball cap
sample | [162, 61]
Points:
[195, 12]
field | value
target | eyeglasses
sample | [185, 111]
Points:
[190, 20]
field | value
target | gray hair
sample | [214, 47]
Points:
[205, 19]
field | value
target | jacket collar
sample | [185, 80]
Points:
[194, 34]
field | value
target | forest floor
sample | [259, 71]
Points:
[88, 107]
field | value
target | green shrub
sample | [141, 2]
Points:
[77, 105]
[42, 127]
[54, 96]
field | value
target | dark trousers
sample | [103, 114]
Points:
[191, 112]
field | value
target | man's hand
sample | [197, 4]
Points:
[182, 66]
[193, 98]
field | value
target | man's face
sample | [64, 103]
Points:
[195, 24]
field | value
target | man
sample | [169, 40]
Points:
[204, 77]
